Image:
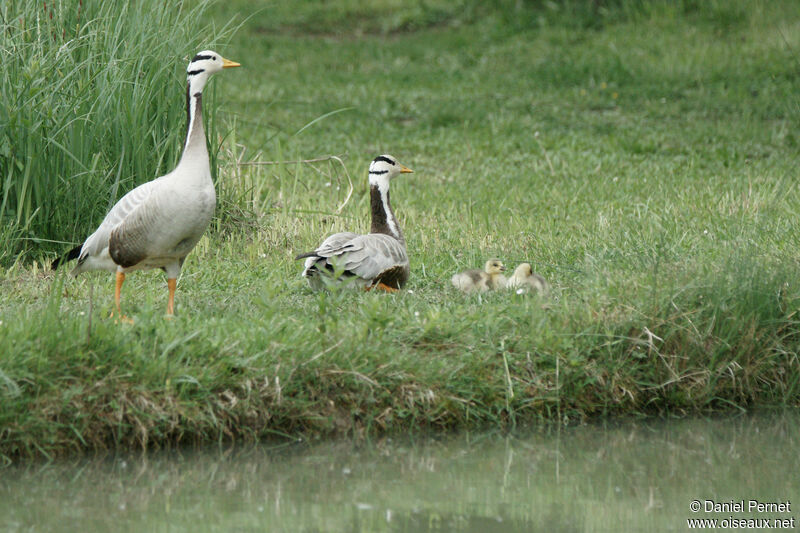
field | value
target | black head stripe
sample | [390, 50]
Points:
[194, 72]
[384, 159]
[200, 57]
[378, 172]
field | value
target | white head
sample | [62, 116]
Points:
[383, 168]
[202, 66]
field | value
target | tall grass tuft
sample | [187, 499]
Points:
[91, 104]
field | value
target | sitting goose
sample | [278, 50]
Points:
[377, 259]
[158, 223]
[524, 278]
[490, 278]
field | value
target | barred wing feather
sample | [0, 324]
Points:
[98, 241]
[366, 256]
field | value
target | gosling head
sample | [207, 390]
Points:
[202, 66]
[494, 267]
[524, 270]
[384, 168]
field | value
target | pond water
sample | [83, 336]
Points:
[622, 476]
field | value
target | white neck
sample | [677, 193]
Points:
[381, 181]
[391, 221]
[383, 219]
[194, 149]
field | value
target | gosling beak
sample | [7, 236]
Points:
[227, 63]
[405, 170]
[503, 268]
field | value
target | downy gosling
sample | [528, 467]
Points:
[490, 278]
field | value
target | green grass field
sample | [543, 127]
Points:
[643, 157]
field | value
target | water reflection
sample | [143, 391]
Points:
[632, 476]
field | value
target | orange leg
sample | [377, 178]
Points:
[171, 284]
[384, 287]
[117, 292]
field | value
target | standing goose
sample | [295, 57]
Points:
[490, 278]
[158, 223]
[377, 259]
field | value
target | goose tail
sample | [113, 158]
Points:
[69, 256]
[306, 254]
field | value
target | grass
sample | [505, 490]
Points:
[641, 157]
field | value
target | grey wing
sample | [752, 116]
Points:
[368, 256]
[334, 244]
[131, 240]
[320, 259]
[118, 214]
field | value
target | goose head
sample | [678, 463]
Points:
[383, 169]
[203, 65]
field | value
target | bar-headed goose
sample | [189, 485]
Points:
[490, 278]
[158, 223]
[377, 259]
[525, 279]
